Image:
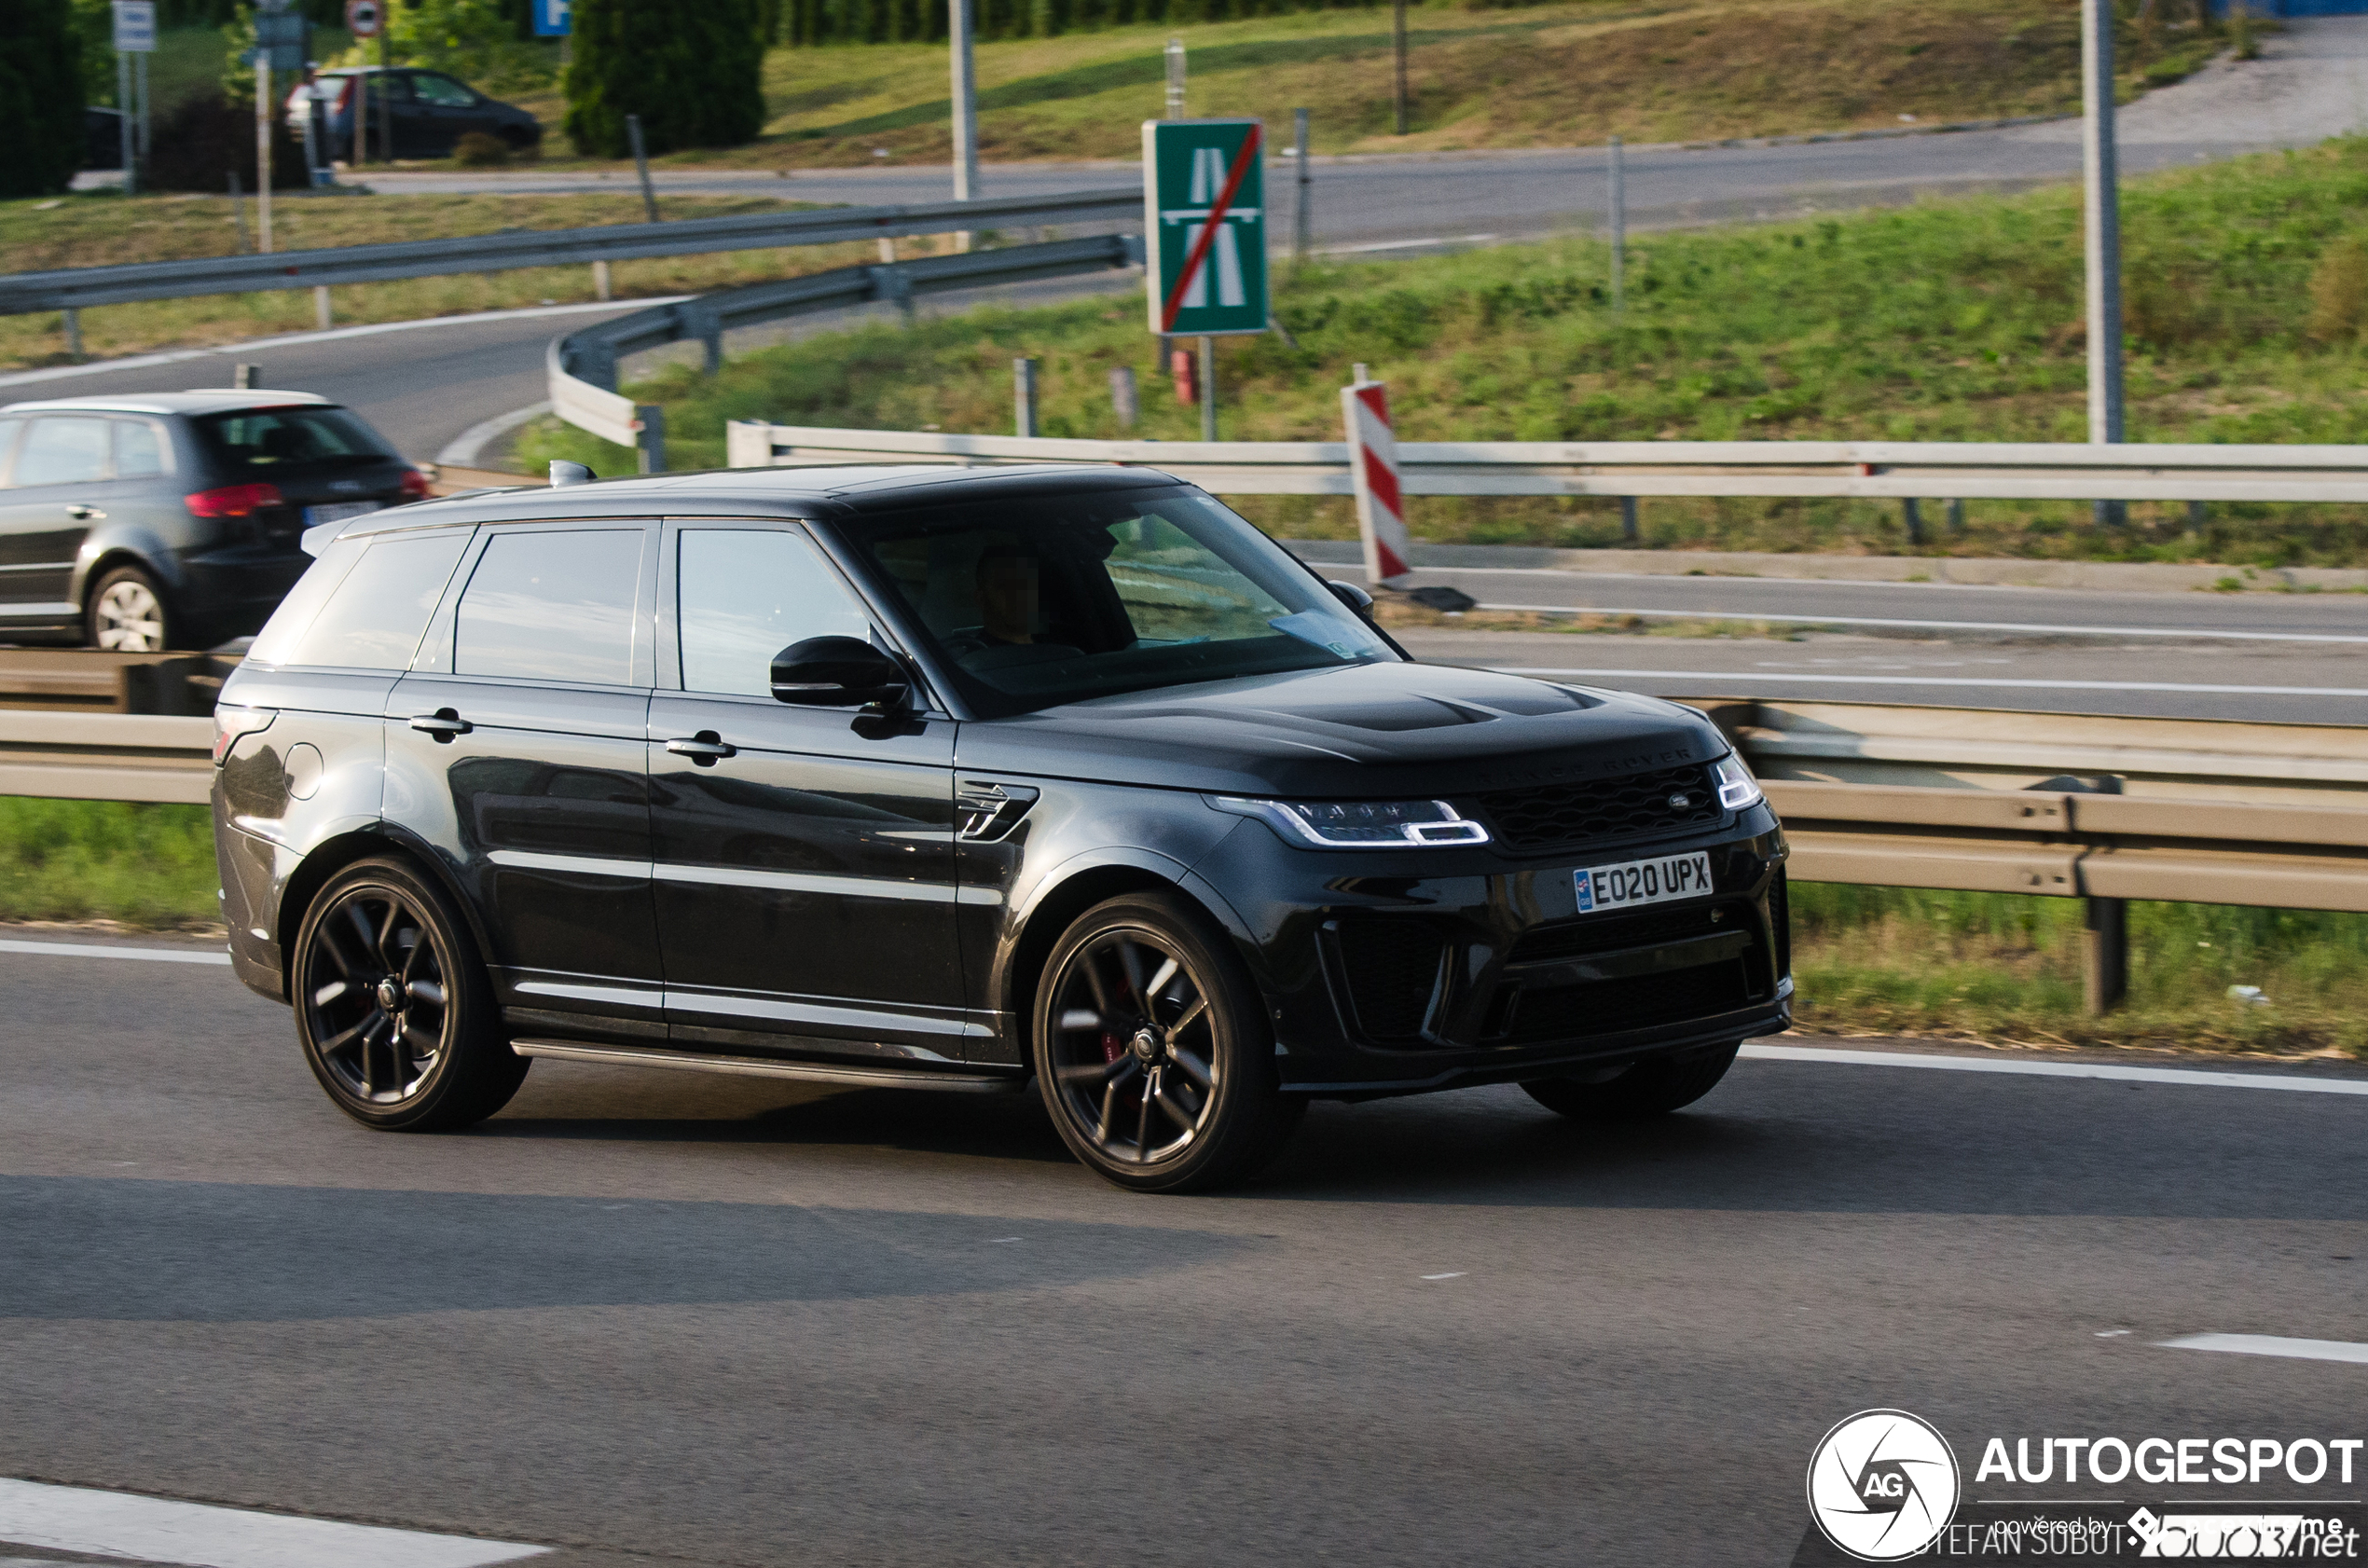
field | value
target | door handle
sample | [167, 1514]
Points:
[443, 724]
[82, 513]
[704, 748]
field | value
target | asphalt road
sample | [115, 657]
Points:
[2285, 658]
[654, 1317]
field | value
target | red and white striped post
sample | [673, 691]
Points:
[1372, 470]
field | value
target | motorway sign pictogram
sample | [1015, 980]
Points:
[1204, 211]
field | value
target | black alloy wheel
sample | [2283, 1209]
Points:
[1152, 1053]
[1651, 1088]
[392, 1008]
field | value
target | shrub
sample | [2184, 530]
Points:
[692, 70]
[479, 150]
[40, 97]
[199, 143]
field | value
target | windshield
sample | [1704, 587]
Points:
[268, 443]
[1038, 601]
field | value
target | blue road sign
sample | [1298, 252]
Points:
[554, 19]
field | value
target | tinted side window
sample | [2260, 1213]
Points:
[64, 451]
[375, 618]
[556, 606]
[744, 596]
[442, 91]
[139, 449]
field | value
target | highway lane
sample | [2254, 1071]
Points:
[2270, 682]
[719, 1322]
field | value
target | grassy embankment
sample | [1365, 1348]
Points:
[96, 229]
[2247, 296]
[1868, 959]
[1558, 74]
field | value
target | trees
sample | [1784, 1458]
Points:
[41, 99]
[691, 69]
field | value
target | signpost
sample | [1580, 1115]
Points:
[1204, 214]
[364, 18]
[135, 34]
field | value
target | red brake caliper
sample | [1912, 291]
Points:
[1113, 1046]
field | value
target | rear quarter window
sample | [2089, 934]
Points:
[370, 616]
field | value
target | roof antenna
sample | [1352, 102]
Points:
[246, 378]
[564, 472]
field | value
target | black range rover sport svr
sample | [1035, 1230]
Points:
[968, 779]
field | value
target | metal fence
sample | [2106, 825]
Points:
[1860, 470]
[582, 367]
[78, 287]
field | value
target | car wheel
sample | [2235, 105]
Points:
[1152, 1051]
[1651, 1088]
[128, 613]
[393, 1008]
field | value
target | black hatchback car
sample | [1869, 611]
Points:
[961, 780]
[429, 112]
[174, 519]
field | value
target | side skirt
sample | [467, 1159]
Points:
[748, 1067]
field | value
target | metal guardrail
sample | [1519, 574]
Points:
[1861, 470]
[78, 287]
[2216, 811]
[582, 367]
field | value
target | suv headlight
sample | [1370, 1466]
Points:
[1359, 824]
[1737, 787]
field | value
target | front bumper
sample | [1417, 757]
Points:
[1398, 973]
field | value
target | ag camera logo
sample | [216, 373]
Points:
[1882, 1485]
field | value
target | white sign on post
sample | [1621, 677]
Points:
[135, 26]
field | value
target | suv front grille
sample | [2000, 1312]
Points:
[1618, 932]
[1552, 816]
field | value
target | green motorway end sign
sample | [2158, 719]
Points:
[1204, 211]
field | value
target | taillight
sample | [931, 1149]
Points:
[415, 485]
[345, 93]
[230, 724]
[233, 500]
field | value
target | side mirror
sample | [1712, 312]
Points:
[1351, 594]
[837, 672]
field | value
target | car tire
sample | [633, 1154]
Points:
[393, 1008]
[1153, 1052]
[1651, 1088]
[128, 613]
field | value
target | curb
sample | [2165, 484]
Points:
[2127, 577]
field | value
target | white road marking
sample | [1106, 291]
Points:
[2193, 1077]
[178, 356]
[1788, 677]
[1458, 1275]
[2270, 1344]
[93, 950]
[2203, 634]
[463, 450]
[123, 1524]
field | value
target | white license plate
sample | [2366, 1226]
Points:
[1641, 881]
[336, 512]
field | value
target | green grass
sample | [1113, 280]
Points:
[1480, 75]
[1997, 966]
[95, 228]
[1956, 320]
[150, 866]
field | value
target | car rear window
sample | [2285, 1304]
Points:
[265, 442]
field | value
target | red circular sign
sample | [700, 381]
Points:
[363, 18]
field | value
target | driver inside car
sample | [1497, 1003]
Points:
[1008, 580]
